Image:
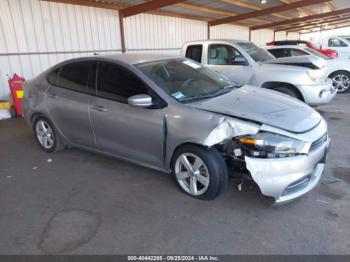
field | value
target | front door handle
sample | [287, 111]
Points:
[98, 108]
[51, 95]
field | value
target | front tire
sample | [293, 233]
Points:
[46, 135]
[341, 81]
[199, 172]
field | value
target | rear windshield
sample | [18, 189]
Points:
[316, 53]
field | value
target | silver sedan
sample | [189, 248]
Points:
[175, 115]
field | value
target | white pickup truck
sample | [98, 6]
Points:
[339, 43]
[245, 63]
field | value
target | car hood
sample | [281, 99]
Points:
[308, 61]
[263, 106]
[338, 63]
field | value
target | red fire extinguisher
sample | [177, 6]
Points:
[16, 88]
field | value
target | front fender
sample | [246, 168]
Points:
[200, 127]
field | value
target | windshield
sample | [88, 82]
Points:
[185, 80]
[257, 53]
[316, 53]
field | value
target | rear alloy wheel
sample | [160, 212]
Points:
[341, 81]
[200, 172]
[46, 136]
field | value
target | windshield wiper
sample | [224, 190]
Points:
[220, 92]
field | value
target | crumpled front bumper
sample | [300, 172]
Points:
[318, 94]
[288, 178]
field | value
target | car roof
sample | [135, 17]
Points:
[213, 41]
[137, 58]
[285, 46]
[289, 41]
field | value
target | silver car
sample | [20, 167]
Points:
[175, 115]
[336, 69]
[245, 63]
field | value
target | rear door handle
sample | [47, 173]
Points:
[51, 95]
[98, 108]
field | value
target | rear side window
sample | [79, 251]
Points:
[280, 52]
[117, 83]
[194, 52]
[298, 52]
[53, 76]
[78, 76]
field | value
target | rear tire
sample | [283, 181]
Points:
[199, 172]
[341, 81]
[47, 136]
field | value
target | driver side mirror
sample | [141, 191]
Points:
[239, 60]
[142, 100]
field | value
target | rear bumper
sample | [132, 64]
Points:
[286, 179]
[318, 94]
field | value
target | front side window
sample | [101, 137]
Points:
[256, 53]
[185, 80]
[194, 52]
[335, 42]
[117, 83]
[77, 76]
[219, 54]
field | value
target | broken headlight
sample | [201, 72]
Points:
[265, 144]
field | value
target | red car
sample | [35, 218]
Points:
[328, 52]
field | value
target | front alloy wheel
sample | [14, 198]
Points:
[341, 82]
[192, 174]
[199, 172]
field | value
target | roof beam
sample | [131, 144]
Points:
[320, 26]
[147, 6]
[252, 6]
[302, 19]
[92, 3]
[218, 11]
[314, 24]
[118, 6]
[266, 11]
[318, 29]
[310, 22]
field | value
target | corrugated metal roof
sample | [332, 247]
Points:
[225, 6]
[181, 10]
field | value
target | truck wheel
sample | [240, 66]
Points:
[341, 81]
[46, 135]
[199, 172]
[286, 90]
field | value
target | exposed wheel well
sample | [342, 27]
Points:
[181, 145]
[34, 117]
[272, 85]
[338, 71]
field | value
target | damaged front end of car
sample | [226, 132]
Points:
[283, 165]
